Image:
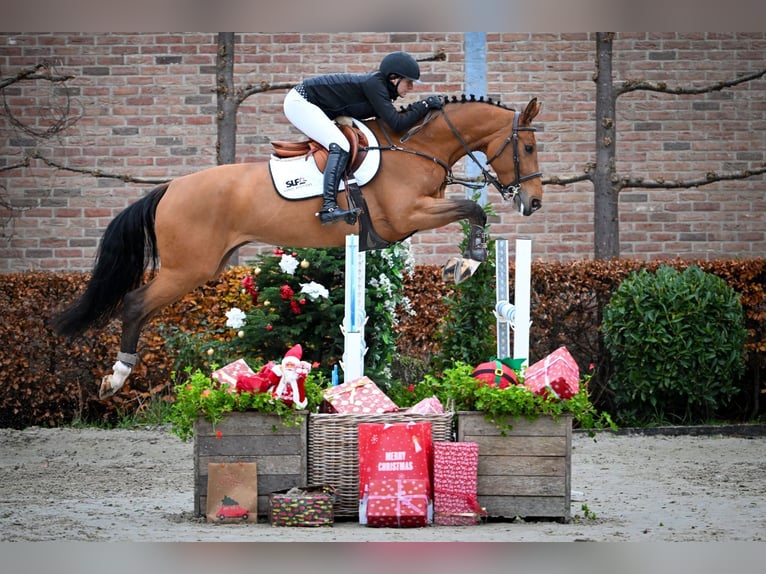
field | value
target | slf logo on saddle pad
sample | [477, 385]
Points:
[299, 177]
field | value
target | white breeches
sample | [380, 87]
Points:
[312, 121]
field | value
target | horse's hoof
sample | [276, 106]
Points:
[457, 270]
[106, 390]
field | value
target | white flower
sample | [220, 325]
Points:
[314, 290]
[235, 318]
[288, 264]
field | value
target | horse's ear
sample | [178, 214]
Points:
[530, 112]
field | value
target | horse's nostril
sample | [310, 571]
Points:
[536, 204]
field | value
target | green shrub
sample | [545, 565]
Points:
[677, 343]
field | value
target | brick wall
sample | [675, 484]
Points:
[148, 109]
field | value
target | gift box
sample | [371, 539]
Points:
[399, 503]
[228, 374]
[361, 396]
[456, 466]
[302, 506]
[556, 374]
[428, 406]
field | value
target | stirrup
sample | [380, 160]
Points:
[327, 216]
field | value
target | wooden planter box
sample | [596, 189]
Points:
[526, 473]
[278, 450]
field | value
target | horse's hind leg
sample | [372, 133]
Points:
[138, 307]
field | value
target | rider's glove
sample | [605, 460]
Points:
[433, 102]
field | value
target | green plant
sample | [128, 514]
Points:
[677, 342]
[468, 330]
[200, 396]
[298, 297]
[587, 514]
[457, 388]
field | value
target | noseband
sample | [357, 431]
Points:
[512, 189]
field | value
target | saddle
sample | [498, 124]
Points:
[356, 139]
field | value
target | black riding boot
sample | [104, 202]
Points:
[336, 165]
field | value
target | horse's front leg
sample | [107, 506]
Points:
[444, 211]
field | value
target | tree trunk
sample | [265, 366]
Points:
[227, 103]
[606, 219]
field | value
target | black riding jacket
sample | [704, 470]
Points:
[362, 96]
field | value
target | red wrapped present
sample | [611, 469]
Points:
[428, 406]
[361, 396]
[398, 502]
[229, 374]
[556, 374]
[456, 467]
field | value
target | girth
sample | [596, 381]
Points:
[356, 139]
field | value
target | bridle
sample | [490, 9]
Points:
[512, 189]
[509, 191]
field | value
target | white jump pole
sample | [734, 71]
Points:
[516, 315]
[355, 317]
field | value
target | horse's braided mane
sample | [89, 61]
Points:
[472, 98]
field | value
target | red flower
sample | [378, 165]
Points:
[269, 327]
[315, 365]
[302, 301]
[294, 307]
[218, 434]
[411, 388]
[286, 292]
[279, 252]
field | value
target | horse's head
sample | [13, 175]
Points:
[513, 157]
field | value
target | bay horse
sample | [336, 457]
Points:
[188, 228]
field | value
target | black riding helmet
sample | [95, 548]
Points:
[401, 64]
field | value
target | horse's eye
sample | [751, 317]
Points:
[529, 148]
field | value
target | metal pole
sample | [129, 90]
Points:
[354, 317]
[521, 299]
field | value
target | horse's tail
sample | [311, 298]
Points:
[127, 248]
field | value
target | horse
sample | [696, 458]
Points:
[188, 228]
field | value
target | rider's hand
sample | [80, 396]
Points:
[433, 102]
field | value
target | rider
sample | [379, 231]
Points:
[312, 105]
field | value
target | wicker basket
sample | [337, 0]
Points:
[333, 450]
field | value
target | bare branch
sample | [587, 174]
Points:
[31, 74]
[250, 89]
[710, 177]
[99, 173]
[556, 180]
[57, 114]
[440, 56]
[662, 87]
[23, 163]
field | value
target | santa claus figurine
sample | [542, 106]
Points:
[292, 376]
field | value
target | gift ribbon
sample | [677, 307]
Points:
[402, 499]
[349, 387]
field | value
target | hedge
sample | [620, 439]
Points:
[51, 381]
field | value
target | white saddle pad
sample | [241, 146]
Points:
[299, 177]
